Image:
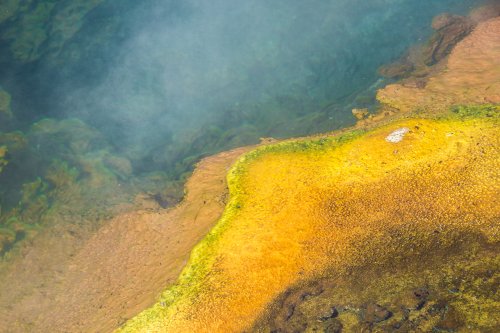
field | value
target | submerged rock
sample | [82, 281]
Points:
[360, 113]
[32, 29]
[8, 9]
[5, 103]
[471, 76]
[450, 29]
[3, 161]
[397, 70]
[374, 313]
[421, 61]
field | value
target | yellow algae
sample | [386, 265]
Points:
[299, 208]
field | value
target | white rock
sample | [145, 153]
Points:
[397, 135]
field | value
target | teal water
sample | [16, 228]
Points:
[112, 98]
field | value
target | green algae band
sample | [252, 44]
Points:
[302, 208]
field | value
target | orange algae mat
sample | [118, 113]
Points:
[300, 208]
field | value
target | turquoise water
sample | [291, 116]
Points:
[113, 98]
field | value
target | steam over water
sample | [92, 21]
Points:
[107, 93]
[169, 80]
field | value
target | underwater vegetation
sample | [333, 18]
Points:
[38, 28]
[3, 162]
[63, 167]
[5, 103]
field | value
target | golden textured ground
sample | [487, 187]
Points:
[297, 209]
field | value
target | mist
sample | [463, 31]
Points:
[168, 82]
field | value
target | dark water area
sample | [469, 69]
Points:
[128, 95]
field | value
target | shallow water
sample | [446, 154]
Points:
[168, 81]
[165, 82]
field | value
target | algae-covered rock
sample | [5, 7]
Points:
[450, 29]
[47, 125]
[66, 21]
[72, 134]
[7, 237]
[5, 103]
[66, 149]
[34, 201]
[58, 165]
[3, 161]
[28, 35]
[41, 27]
[8, 8]
[120, 165]
[69, 148]
[15, 141]
[23, 220]
[60, 174]
[360, 114]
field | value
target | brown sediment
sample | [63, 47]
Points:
[450, 29]
[421, 60]
[486, 12]
[360, 114]
[95, 282]
[471, 76]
